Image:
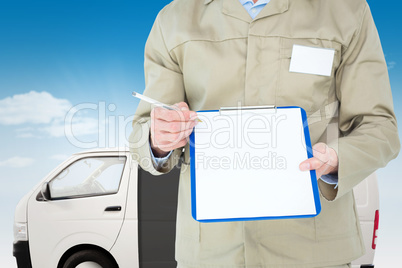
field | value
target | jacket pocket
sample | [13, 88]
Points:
[309, 91]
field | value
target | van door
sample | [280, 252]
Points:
[85, 206]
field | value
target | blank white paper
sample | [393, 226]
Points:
[236, 176]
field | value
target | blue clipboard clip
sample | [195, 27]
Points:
[223, 110]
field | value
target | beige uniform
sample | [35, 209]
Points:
[211, 54]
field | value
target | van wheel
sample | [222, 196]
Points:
[89, 259]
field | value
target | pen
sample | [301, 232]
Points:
[155, 102]
[152, 101]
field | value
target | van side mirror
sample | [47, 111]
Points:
[44, 194]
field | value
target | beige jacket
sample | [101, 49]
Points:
[211, 54]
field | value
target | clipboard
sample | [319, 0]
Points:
[245, 165]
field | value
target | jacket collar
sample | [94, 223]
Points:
[234, 8]
[272, 8]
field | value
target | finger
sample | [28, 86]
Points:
[320, 148]
[172, 127]
[167, 137]
[160, 137]
[323, 170]
[325, 160]
[321, 152]
[317, 165]
[171, 146]
[310, 164]
[173, 115]
[326, 154]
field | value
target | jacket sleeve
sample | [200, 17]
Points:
[368, 137]
[164, 82]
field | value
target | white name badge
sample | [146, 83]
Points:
[312, 60]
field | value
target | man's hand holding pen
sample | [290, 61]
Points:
[170, 129]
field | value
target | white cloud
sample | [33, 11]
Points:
[25, 135]
[33, 107]
[25, 132]
[17, 162]
[43, 115]
[79, 126]
[391, 65]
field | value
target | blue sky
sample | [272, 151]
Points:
[90, 52]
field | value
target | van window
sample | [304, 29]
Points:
[90, 176]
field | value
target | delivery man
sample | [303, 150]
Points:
[207, 54]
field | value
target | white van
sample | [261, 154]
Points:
[99, 209]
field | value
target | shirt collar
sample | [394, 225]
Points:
[276, 7]
[206, 2]
[259, 2]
